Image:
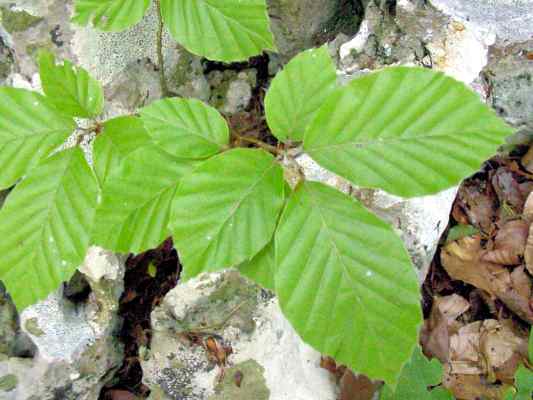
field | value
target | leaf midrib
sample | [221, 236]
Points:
[239, 202]
[166, 123]
[388, 140]
[344, 266]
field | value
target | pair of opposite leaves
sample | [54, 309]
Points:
[344, 260]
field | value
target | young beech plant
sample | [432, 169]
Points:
[342, 275]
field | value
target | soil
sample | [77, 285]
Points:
[149, 277]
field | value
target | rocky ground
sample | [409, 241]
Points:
[125, 328]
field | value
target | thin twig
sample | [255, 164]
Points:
[160, 58]
[259, 143]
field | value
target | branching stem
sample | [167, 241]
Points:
[259, 143]
[160, 58]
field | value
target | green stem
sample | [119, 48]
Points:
[160, 58]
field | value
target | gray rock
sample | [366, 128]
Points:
[510, 20]
[300, 24]
[509, 75]
[13, 342]
[237, 313]
[35, 25]
[231, 92]
[75, 345]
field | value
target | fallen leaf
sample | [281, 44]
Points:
[435, 335]
[527, 214]
[507, 188]
[357, 387]
[472, 387]
[477, 205]
[521, 282]
[461, 260]
[502, 348]
[528, 252]
[509, 244]
[217, 350]
[527, 160]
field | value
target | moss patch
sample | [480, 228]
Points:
[233, 302]
[8, 382]
[244, 381]
[17, 21]
[32, 326]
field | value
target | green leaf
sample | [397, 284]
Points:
[109, 15]
[135, 206]
[186, 127]
[119, 137]
[345, 282]
[229, 30]
[416, 378]
[409, 131]
[523, 384]
[30, 129]
[71, 90]
[460, 231]
[45, 225]
[297, 92]
[226, 211]
[261, 267]
[152, 270]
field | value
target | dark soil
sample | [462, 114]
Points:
[142, 292]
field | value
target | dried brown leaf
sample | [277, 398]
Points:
[461, 259]
[527, 214]
[521, 282]
[478, 206]
[472, 387]
[527, 160]
[508, 190]
[490, 350]
[357, 387]
[435, 335]
[509, 244]
[528, 252]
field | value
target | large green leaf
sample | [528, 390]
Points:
[417, 376]
[523, 385]
[409, 131]
[72, 90]
[186, 127]
[225, 212]
[261, 267]
[45, 225]
[345, 282]
[135, 206]
[30, 129]
[109, 15]
[119, 137]
[297, 92]
[229, 30]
